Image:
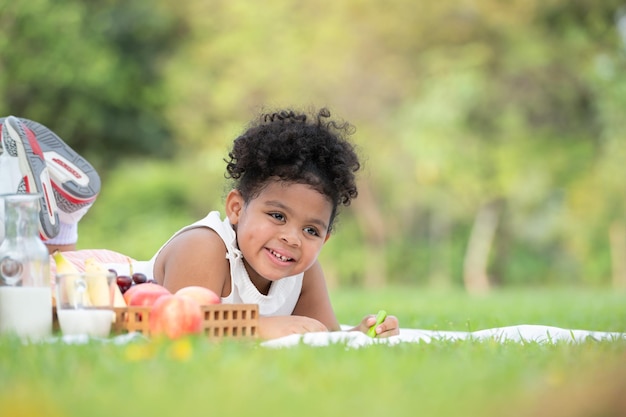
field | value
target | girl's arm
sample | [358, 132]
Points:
[314, 300]
[313, 312]
[194, 257]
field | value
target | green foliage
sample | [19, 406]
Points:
[146, 201]
[91, 71]
[457, 105]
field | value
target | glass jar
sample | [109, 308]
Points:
[25, 290]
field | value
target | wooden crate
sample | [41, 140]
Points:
[219, 320]
[231, 320]
[238, 321]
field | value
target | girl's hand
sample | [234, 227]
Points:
[387, 328]
[273, 327]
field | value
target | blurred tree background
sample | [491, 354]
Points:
[490, 131]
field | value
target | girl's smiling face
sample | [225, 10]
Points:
[281, 231]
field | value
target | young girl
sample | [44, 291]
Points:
[291, 173]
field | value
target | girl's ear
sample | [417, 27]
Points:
[234, 206]
[327, 237]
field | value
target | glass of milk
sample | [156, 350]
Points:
[84, 303]
[25, 291]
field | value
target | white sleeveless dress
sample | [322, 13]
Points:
[282, 296]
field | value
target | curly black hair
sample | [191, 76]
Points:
[289, 146]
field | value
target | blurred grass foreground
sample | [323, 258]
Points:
[194, 376]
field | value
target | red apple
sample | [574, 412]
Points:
[202, 295]
[175, 316]
[129, 293]
[144, 295]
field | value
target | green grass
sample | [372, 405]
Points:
[461, 378]
[583, 308]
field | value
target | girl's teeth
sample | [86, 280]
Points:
[282, 258]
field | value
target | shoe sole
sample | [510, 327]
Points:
[20, 142]
[75, 182]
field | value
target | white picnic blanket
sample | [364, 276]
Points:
[524, 333]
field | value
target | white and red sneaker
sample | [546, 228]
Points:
[23, 170]
[74, 181]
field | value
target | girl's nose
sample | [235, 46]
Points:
[290, 237]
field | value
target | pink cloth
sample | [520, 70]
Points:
[78, 257]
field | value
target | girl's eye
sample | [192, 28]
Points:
[277, 216]
[311, 231]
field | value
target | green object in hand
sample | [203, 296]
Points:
[380, 317]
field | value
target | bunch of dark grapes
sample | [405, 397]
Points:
[124, 282]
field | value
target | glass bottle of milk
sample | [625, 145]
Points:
[25, 290]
